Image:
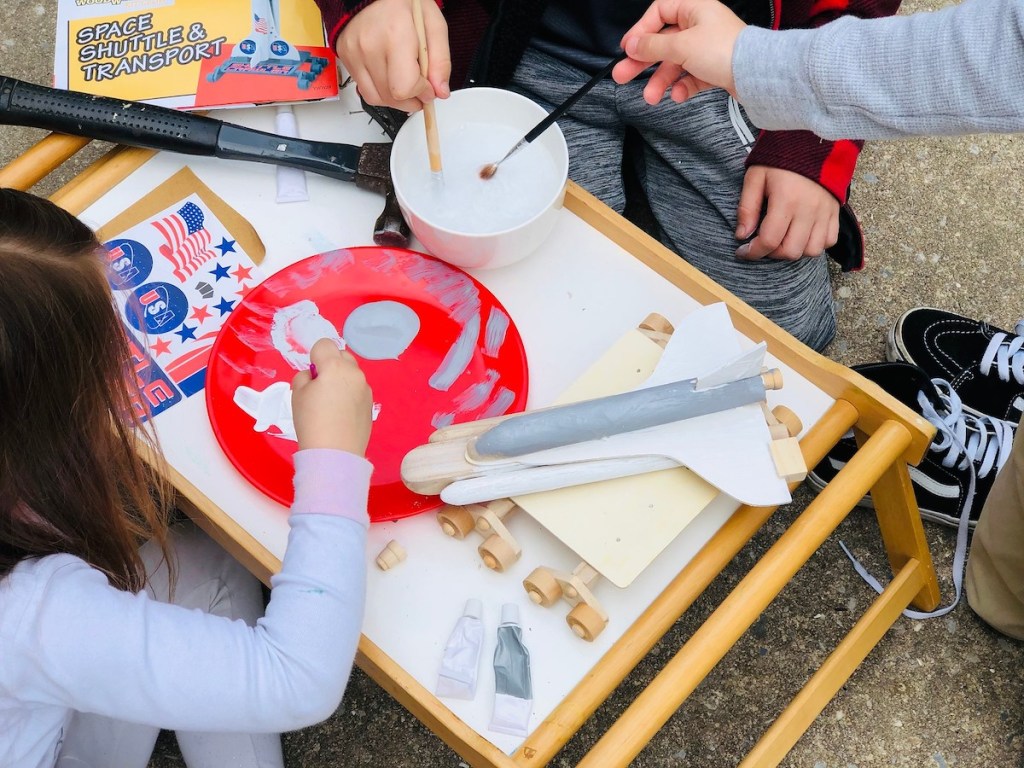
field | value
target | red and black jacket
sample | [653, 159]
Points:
[488, 38]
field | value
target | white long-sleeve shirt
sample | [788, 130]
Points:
[956, 70]
[69, 641]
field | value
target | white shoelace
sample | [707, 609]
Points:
[981, 442]
[977, 444]
[1007, 352]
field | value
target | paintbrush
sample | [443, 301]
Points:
[429, 114]
[491, 168]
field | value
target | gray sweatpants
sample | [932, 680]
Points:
[691, 168]
[212, 581]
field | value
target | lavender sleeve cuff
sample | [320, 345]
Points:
[330, 482]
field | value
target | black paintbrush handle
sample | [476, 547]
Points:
[566, 105]
[144, 125]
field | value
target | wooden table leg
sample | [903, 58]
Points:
[902, 531]
[787, 729]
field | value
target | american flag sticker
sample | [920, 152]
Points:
[186, 241]
[174, 301]
[260, 25]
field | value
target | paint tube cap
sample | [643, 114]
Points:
[509, 613]
[474, 608]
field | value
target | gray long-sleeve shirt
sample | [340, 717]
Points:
[958, 70]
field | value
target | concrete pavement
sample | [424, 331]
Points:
[943, 222]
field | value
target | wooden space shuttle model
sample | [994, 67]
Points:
[703, 407]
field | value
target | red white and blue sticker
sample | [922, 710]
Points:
[176, 278]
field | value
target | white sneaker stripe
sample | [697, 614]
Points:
[918, 478]
[933, 486]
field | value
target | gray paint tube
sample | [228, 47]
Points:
[461, 661]
[513, 688]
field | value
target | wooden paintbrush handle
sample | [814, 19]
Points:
[429, 115]
[433, 139]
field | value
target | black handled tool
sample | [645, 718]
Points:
[144, 125]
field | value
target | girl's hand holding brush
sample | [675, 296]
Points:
[331, 402]
[380, 49]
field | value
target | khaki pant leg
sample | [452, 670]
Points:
[995, 568]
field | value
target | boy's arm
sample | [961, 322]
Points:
[829, 163]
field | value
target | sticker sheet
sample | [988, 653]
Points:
[176, 276]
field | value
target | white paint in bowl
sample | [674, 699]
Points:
[461, 218]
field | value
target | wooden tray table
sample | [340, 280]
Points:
[595, 277]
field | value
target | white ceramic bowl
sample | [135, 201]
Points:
[509, 111]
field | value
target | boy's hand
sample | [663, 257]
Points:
[380, 50]
[693, 40]
[802, 217]
[332, 410]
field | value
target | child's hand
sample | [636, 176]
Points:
[380, 50]
[693, 40]
[333, 409]
[802, 217]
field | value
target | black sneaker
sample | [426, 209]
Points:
[965, 446]
[984, 364]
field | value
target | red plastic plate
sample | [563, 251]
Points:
[413, 401]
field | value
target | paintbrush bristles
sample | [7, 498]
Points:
[492, 168]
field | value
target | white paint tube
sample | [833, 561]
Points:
[513, 687]
[461, 661]
[291, 182]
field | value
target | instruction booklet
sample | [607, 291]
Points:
[195, 54]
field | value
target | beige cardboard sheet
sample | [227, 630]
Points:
[620, 526]
[177, 187]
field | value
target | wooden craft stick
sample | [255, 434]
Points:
[518, 482]
[429, 114]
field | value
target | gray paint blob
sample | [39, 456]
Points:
[381, 330]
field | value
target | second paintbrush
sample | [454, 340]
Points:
[491, 168]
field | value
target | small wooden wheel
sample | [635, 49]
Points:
[788, 419]
[497, 553]
[456, 522]
[586, 622]
[542, 587]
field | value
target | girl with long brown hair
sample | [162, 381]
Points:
[96, 657]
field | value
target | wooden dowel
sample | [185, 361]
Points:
[429, 115]
[36, 162]
[830, 677]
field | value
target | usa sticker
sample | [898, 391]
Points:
[129, 263]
